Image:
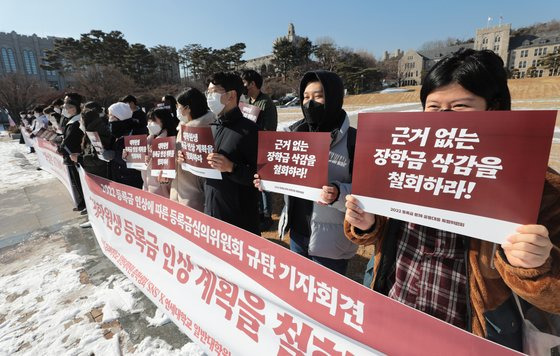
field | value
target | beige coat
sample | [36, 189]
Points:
[188, 189]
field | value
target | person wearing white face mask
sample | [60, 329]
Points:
[233, 199]
[40, 122]
[192, 110]
[160, 124]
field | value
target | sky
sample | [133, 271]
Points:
[371, 25]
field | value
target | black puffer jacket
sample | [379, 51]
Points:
[234, 198]
[89, 158]
[119, 172]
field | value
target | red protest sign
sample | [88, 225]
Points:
[294, 163]
[478, 174]
[136, 146]
[163, 157]
[196, 144]
[96, 143]
[249, 111]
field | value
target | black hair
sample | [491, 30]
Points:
[75, 100]
[23, 112]
[58, 102]
[48, 110]
[195, 100]
[129, 99]
[168, 122]
[56, 116]
[170, 101]
[39, 108]
[89, 116]
[250, 75]
[228, 81]
[74, 96]
[480, 72]
[93, 106]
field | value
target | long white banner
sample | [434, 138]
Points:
[236, 293]
[53, 162]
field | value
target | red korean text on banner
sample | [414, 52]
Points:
[294, 163]
[196, 144]
[163, 157]
[249, 111]
[96, 143]
[136, 146]
[479, 174]
[236, 293]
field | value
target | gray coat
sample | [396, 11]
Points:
[327, 234]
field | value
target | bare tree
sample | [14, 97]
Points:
[19, 92]
[103, 84]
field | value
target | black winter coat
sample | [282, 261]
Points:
[234, 199]
[89, 158]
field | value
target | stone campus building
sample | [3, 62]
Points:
[20, 53]
[264, 64]
[522, 54]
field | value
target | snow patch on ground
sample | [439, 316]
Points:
[19, 168]
[159, 319]
[44, 306]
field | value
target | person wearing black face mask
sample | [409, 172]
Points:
[316, 228]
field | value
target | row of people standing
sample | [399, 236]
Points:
[463, 281]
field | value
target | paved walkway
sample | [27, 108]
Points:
[42, 208]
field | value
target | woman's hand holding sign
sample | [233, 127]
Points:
[356, 216]
[180, 157]
[529, 248]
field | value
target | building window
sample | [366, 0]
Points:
[496, 47]
[9, 60]
[536, 51]
[534, 62]
[48, 72]
[544, 51]
[497, 39]
[29, 62]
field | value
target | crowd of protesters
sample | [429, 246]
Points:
[464, 281]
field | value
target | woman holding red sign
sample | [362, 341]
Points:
[192, 111]
[160, 124]
[464, 281]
